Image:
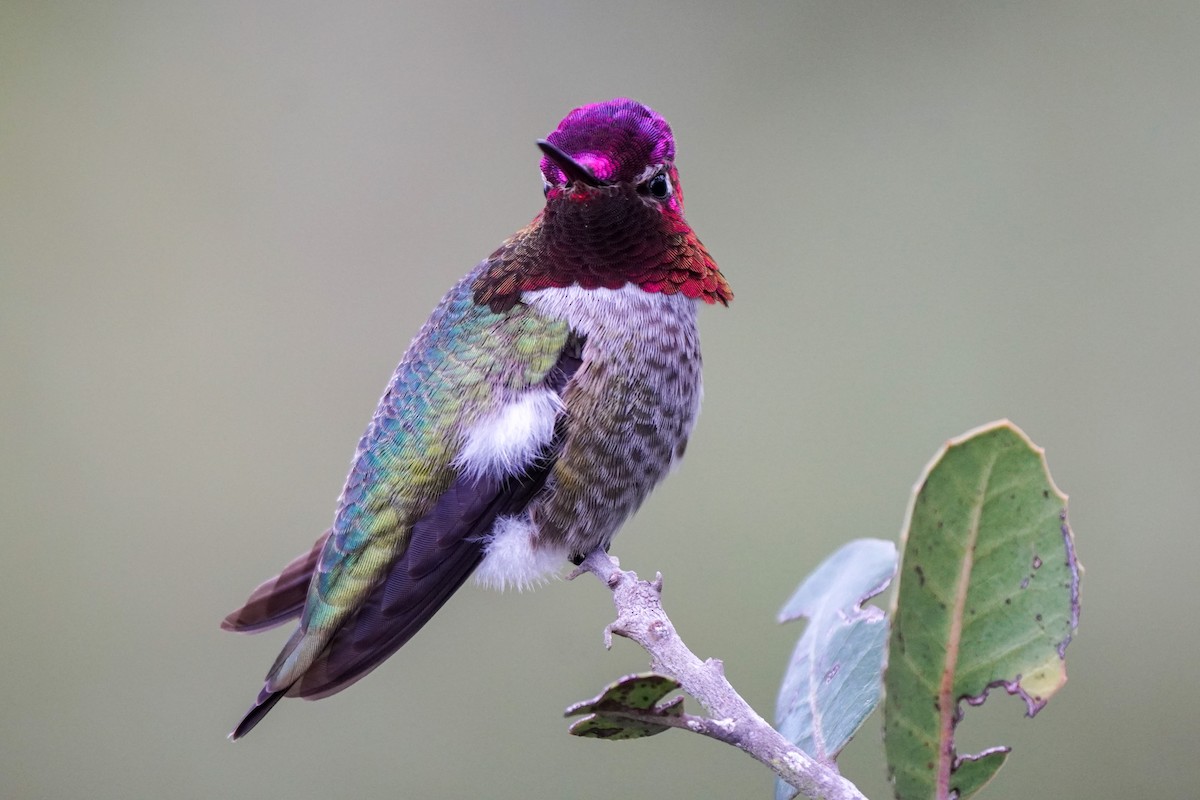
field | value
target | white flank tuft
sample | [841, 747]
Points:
[511, 560]
[507, 441]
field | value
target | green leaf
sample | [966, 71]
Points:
[988, 597]
[621, 710]
[832, 683]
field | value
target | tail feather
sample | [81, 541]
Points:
[278, 599]
[265, 702]
[396, 610]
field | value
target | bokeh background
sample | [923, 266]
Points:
[221, 223]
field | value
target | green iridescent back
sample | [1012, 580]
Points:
[466, 361]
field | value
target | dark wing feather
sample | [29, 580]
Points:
[445, 547]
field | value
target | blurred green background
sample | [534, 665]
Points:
[220, 224]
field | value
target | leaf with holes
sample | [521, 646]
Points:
[833, 681]
[988, 597]
[627, 707]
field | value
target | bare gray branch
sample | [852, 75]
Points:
[641, 618]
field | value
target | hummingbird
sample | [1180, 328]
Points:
[549, 392]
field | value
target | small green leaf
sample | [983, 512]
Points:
[833, 681]
[620, 711]
[972, 773]
[988, 597]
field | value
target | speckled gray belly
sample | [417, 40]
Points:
[630, 408]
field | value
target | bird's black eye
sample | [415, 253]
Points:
[659, 186]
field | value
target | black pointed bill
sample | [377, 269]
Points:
[569, 166]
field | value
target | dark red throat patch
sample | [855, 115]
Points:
[601, 238]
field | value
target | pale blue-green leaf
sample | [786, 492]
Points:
[834, 679]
